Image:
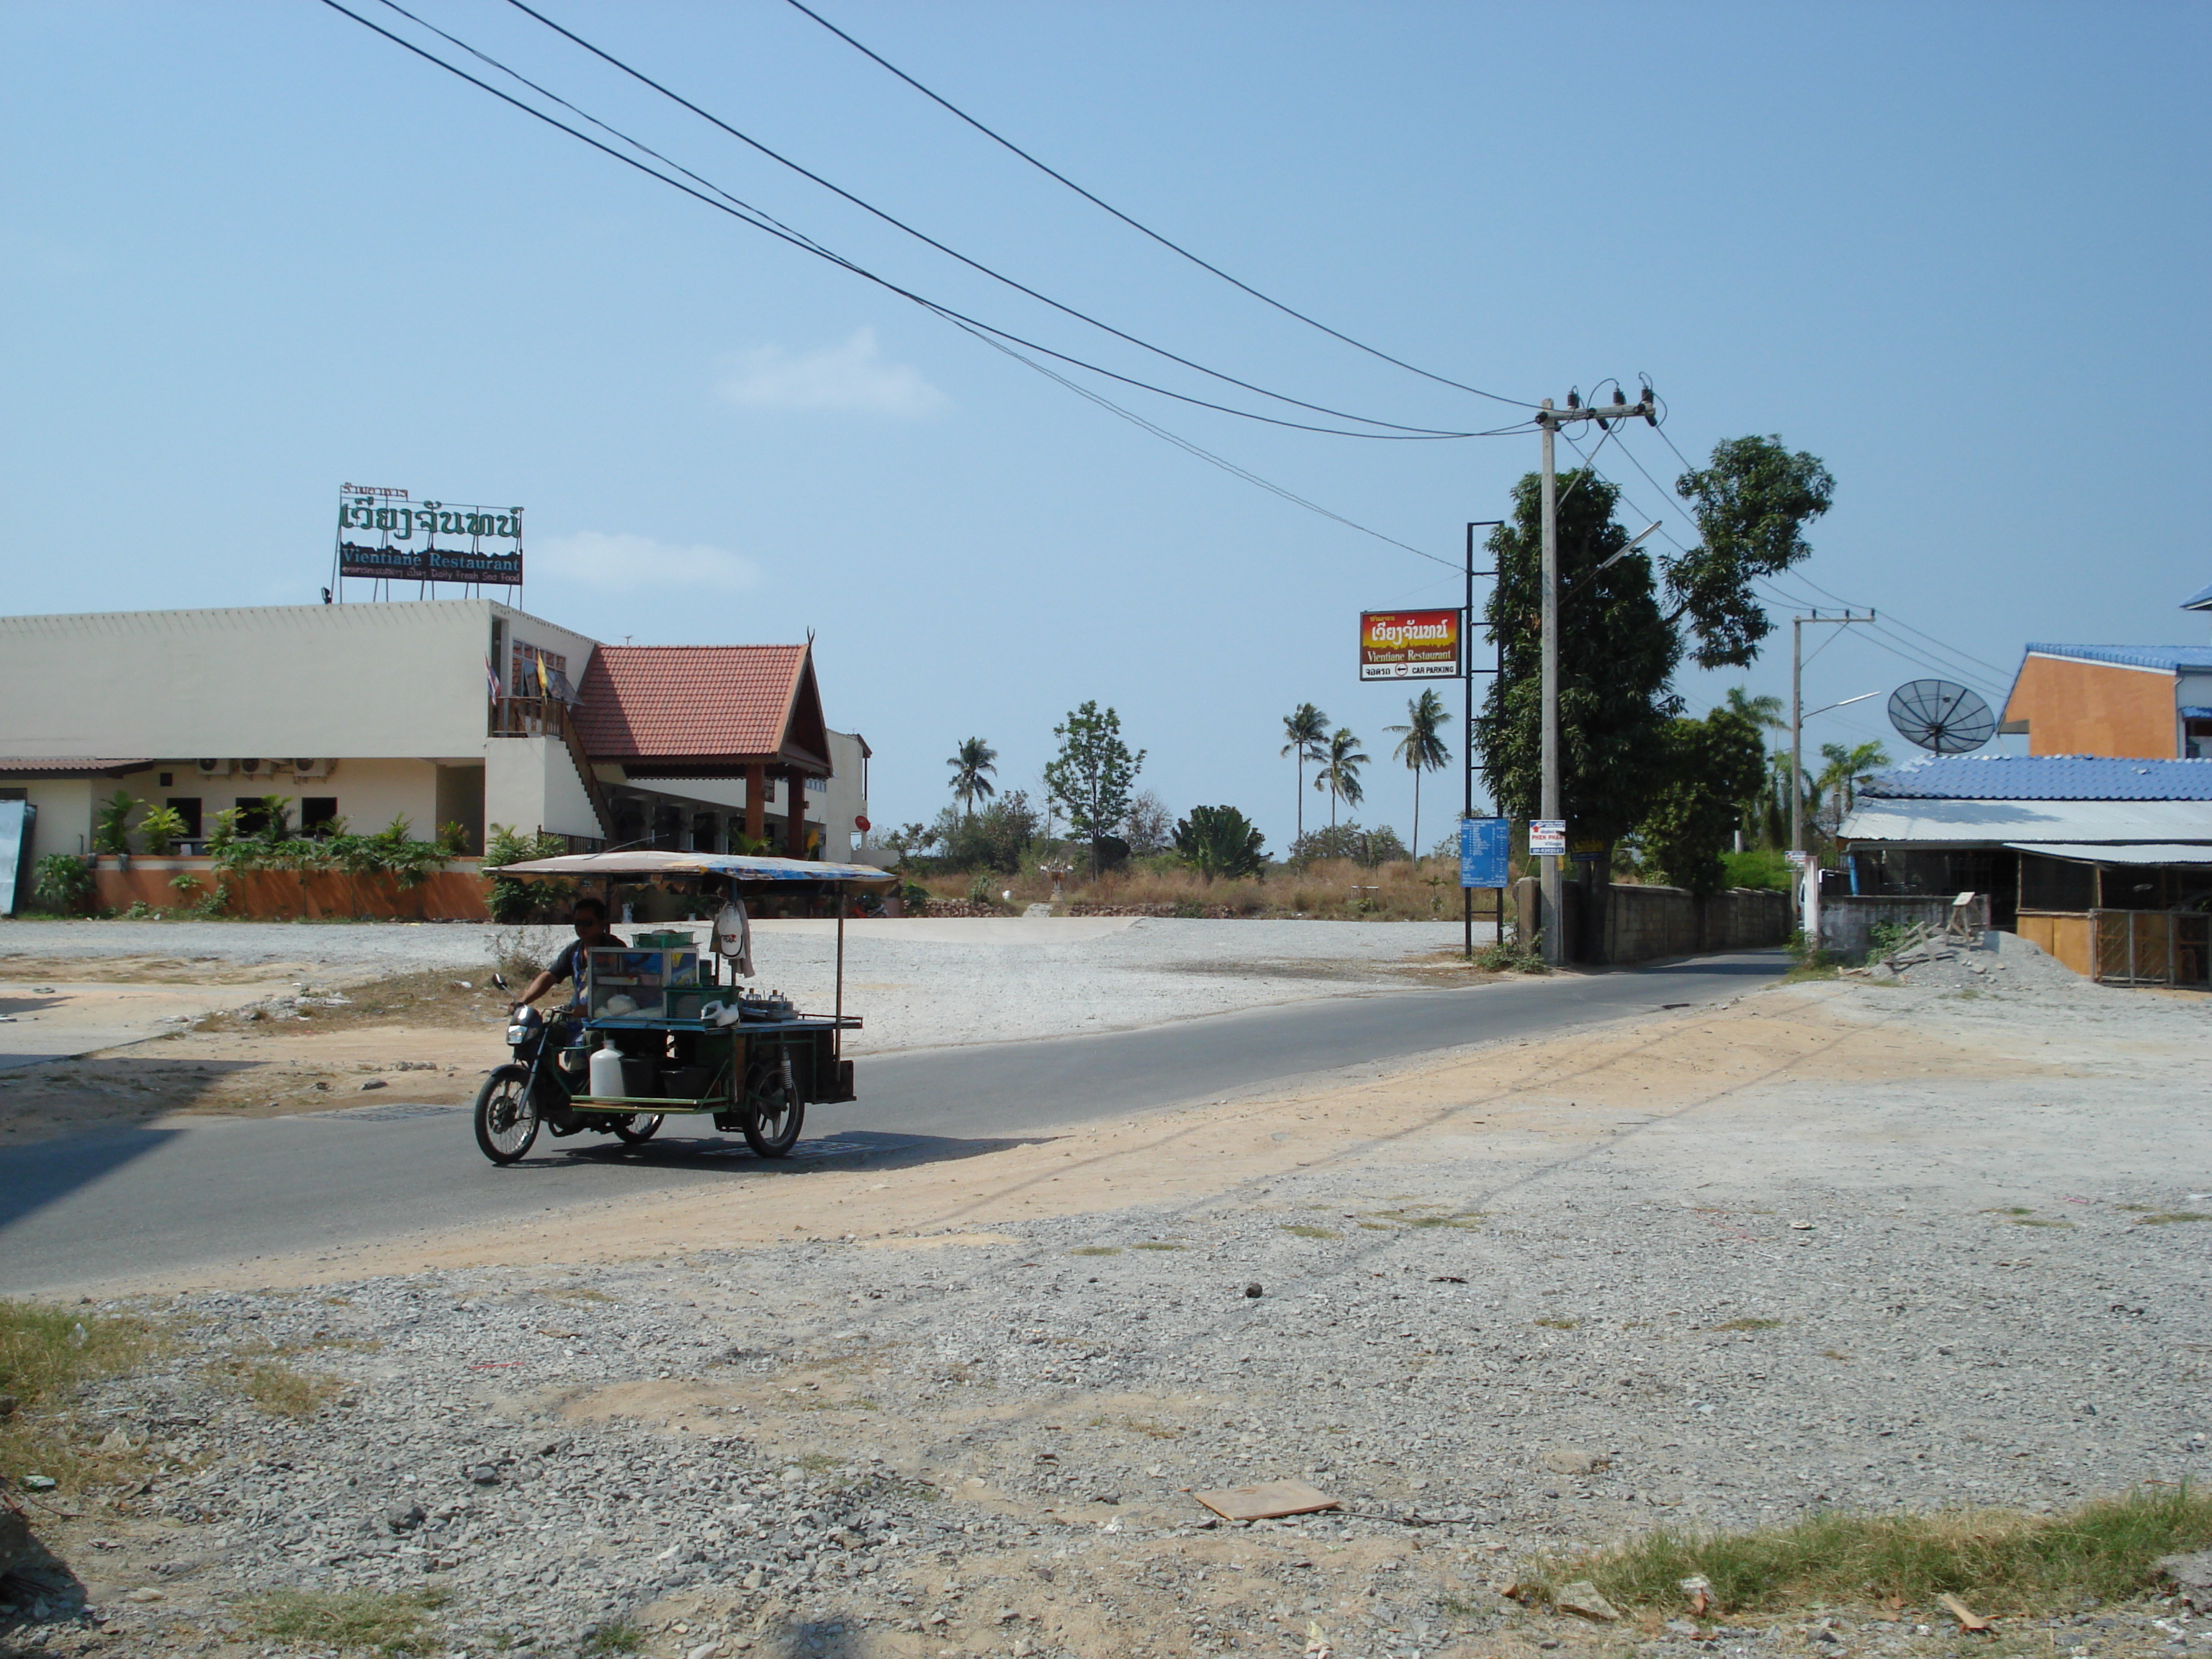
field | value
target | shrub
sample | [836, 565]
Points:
[110, 829]
[1218, 841]
[63, 882]
[1365, 847]
[162, 828]
[513, 900]
[1762, 867]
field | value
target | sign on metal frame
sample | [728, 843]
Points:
[1484, 844]
[405, 540]
[1547, 838]
[1409, 645]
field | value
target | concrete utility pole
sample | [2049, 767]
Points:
[1548, 422]
[1797, 718]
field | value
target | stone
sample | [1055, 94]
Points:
[1573, 1460]
[118, 1441]
[148, 1594]
[371, 1083]
[2192, 1577]
[485, 1476]
[1253, 1290]
[1581, 1599]
[403, 1518]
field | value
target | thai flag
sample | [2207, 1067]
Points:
[491, 678]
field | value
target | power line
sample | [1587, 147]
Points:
[1201, 452]
[954, 253]
[745, 214]
[1144, 229]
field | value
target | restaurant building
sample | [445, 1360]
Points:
[450, 712]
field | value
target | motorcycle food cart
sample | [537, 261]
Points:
[665, 1029]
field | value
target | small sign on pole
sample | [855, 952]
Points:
[1483, 845]
[1795, 859]
[1547, 838]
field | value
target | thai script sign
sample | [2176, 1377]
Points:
[427, 541]
[1547, 838]
[1409, 645]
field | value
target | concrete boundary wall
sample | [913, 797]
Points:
[1644, 924]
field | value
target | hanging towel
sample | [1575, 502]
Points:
[733, 937]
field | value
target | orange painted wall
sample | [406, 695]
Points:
[2094, 709]
[457, 893]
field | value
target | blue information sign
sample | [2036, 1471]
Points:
[1483, 844]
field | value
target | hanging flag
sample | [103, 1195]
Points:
[543, 689]
[491, 678]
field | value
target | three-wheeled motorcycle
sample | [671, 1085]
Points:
[664, 1026]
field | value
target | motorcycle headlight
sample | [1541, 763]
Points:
[517, 1035]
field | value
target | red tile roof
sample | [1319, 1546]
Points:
[700, 704]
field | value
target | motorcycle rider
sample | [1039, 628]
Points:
[589, 918]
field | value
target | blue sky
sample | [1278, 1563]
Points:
[252, 253]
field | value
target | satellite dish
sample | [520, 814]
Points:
[1940, 716]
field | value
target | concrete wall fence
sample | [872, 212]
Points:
[1644, 924]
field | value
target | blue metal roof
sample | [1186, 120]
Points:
[2200, 600]
[2169, 658]
[2044, 777]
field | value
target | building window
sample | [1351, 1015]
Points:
[187, 807]
[2197, 739]
[820, 786]
[165, 781]
[318, 815]
[253, 816]
[702, 832]
[522, 681]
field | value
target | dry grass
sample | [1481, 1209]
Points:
[1328, 889]
[443, 999]
[392, 1624]
[45, 1355]
[275, 1388]
[1997, 1560]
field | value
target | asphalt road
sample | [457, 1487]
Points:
[101, 1207]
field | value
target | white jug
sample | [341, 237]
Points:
[606, 1071]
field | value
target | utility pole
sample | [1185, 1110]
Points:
[1548, 422]
[1467, 727]
[1798, 717]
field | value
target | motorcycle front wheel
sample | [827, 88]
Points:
[507, 1119]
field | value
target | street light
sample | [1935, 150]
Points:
[1846, 702]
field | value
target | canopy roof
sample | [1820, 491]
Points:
[744, 871]
[703, 711]
[2170, 852]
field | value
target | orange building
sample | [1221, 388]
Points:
[2126, 702]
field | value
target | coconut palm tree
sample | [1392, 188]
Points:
[1848, 770]
[1422, 749]
[1339, 774]
[1764, 712]
[971, 770]
[1306, 726]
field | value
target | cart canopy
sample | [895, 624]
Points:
[759, 873]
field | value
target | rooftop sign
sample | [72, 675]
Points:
[386, 534]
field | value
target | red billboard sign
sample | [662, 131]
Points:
[1409, 645]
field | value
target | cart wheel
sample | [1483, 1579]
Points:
[635, 1128]
[772, 1115]
[507, 1120]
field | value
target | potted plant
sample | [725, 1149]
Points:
[110, 832]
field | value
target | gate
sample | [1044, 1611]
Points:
[2152, 947]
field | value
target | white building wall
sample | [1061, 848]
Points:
[370, 793]
[387, 680]
[531, 784]
[64, 820]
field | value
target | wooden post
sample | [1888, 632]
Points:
[756, 802]
[794, 837]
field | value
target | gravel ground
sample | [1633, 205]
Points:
[1906, 1287]
[918, 984]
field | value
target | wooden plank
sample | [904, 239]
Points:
[1265, 1500]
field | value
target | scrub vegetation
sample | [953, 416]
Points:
[45, 1354]
[1997, 1561]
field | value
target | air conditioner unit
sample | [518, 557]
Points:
[255, 769]
[214, 769]
[305, 769]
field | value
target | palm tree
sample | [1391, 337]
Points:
[1422, 749]
[1339, 774]
[1764, 712]
[1305, 726]
[1846, 772]
[971, 770]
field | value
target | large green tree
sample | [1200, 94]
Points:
[1092, 776]
[972, 772]
[1217, 840]
[1709, 767]
[1624, 627]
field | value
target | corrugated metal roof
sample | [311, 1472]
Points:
[2044, 777]
[2200, 600]
[71, 765]
[1988, 822]
[2156, 852]
[2169, 659]
[670, 702]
